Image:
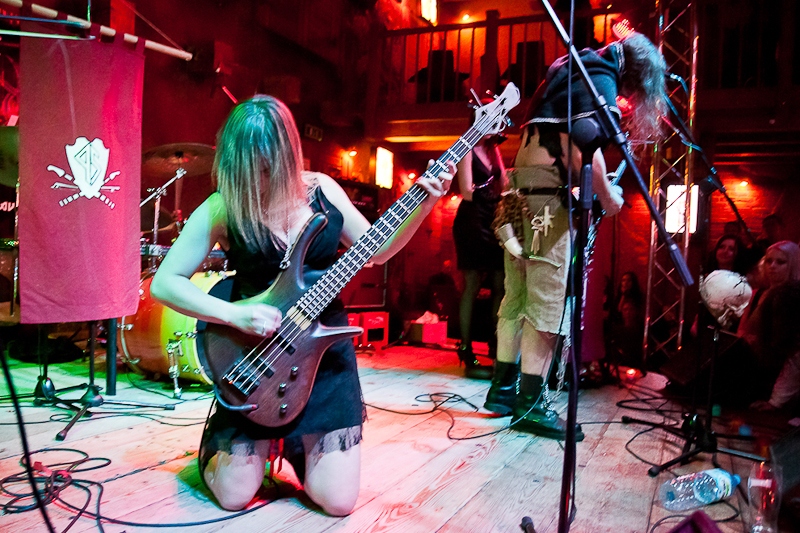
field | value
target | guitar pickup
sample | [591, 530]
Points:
[285, 345]
[247, 381]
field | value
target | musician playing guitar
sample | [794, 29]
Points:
[263, 202]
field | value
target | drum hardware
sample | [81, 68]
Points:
[92, 398]
[161, 162]
[158, 193]
[174, 371]
[158, 340]
[122, 326]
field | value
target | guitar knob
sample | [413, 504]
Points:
[281, 389]
[294, 371]
[283, 409]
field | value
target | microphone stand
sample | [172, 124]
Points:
[607, 126]
[683, 131]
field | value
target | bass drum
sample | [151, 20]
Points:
[157, 338]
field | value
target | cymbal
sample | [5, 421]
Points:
[163, 161]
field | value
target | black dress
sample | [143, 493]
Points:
[335, 402]
[476, 246]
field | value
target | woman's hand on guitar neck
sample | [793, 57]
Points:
[438, 186]
[255, 318]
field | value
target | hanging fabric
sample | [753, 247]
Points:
[80, 175]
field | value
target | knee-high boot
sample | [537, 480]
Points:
[531, 415]
[503, 392]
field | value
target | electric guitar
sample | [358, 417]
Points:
[269, 380]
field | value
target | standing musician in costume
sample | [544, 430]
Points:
[481, 179]
[263, 200]
[533, 221]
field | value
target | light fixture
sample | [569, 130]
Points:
[676, 209]
[412, 175]
[622, 28]
[744, 183]
[465, 17]
[384, 168]
[353, 152]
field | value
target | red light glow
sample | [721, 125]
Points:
[625, 106]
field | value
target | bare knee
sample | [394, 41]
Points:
[334, 503]
[234, 478]
[332, 480]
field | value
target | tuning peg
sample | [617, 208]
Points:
[476, 99]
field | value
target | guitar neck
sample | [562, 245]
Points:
[322, 293]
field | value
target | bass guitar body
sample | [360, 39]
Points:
[269, 380]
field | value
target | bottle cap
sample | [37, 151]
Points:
[736, 481]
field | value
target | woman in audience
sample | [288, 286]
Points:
[771, 327]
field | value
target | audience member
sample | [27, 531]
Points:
[772, 231]
[625, 324]
[770, 328]
[727, 255]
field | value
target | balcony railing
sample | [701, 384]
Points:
[442, 64]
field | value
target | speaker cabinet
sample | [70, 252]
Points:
[367, 289]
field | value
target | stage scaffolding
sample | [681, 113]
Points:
[671, 164]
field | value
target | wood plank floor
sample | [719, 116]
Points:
[415, 477]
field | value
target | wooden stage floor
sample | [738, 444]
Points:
[414, 477]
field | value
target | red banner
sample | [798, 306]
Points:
[79, 176]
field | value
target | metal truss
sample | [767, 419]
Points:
[671, 164]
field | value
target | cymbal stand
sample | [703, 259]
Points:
[157, 194]
[92, 398]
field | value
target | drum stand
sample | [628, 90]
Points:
[92, 398]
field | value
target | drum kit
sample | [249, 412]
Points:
[157, 340]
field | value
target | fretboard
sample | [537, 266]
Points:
[322, 293]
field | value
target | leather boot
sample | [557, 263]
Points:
[531, 416]
[473, 369]
[503, 391]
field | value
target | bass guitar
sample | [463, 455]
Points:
[269, 380]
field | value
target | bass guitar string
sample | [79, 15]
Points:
[416, 193]
[263, 365]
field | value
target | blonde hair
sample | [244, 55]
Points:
[792, 253]
[642, 82]
[258, 168]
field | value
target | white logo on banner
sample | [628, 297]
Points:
[88, 162]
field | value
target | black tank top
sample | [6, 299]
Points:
[255, 271]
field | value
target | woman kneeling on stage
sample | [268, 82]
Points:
[263, 200]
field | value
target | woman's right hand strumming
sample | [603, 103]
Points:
[255, 318]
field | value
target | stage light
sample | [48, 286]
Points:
[384, 168]
[622, 28]
[625, 106]
[676, 209]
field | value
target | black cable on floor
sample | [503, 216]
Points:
[24, 438]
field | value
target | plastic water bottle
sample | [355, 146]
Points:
[696, 490]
